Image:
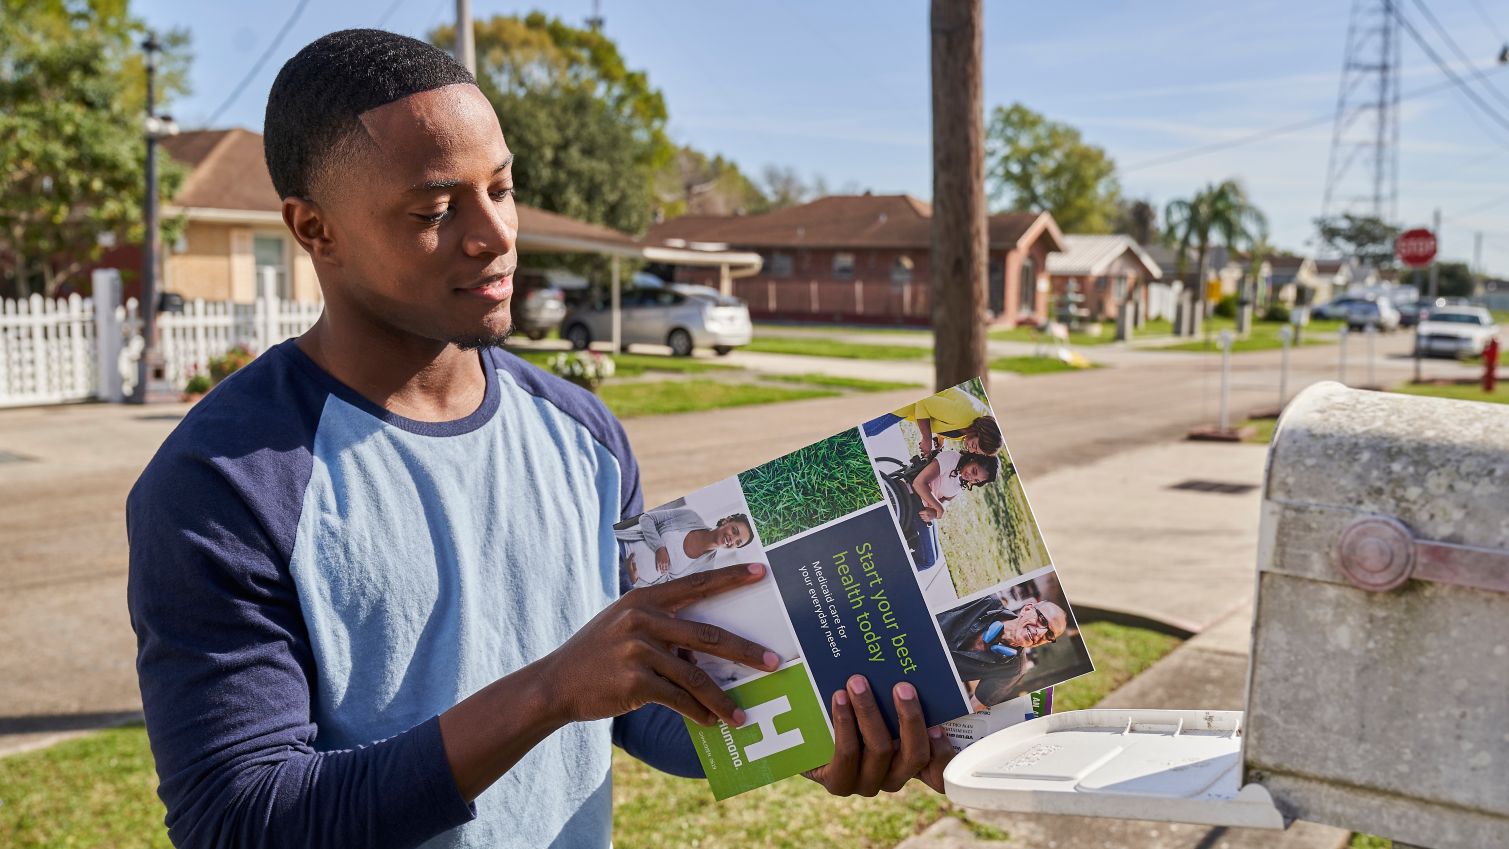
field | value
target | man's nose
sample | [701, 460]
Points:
[493, 231]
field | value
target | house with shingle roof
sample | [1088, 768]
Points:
[235, 225]
[1100, 273]
[864, 258]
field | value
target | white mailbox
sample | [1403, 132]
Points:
[1378, 689]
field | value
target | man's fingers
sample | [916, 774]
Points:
[696, 683]
[914, 749]
[840, 772]
[942, 753]
[875, 738]
[699, 585]
[710, 639]
[660, 690]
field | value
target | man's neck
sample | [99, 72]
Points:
[417, 378]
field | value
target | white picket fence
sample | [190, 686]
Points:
[59, 350]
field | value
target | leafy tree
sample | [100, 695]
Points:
[1369, 239]
[589, 132]
[784, 187]
[1138, 219]
[1453, 280]
[72, 164]
[1036, 164]
[693, 183]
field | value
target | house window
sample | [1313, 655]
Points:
[780, 265]
[843, 265]
[1121, 288]
[1026, 304]
[901, 270]
[272, 252]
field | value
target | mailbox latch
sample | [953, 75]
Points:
[1378, 553]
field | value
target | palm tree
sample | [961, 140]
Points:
[1220, 210]
[1187, 223]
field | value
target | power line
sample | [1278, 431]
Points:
[392, 7]
[1477, 72]
[1483, 13]
[1261, 135]
[257, 66]
[1446, 69]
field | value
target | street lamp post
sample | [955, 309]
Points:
[151, 371]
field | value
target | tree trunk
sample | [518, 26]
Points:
[960, 247]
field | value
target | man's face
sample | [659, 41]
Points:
[423, 221]
[732, 534]
[1036, 624]
[971, 444]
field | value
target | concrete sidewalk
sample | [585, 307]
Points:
[1209, 672]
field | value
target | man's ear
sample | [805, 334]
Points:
[307, 222]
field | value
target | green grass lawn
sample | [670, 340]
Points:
[1472, 392]
[628, 400]
[1262, 430]
[1032, 365]
[830, 381]
[818, 347]
[99, 790]
[634, 365]
[1264, 336]
[766, 328]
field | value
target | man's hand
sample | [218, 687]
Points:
[627, 656]
[866, 759]
[662, 560]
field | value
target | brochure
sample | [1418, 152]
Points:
[904, 550]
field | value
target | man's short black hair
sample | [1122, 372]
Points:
[315, 103]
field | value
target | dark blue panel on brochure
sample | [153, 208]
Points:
[854, 602]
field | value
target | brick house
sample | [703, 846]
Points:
[864, 258]
[1103, 271]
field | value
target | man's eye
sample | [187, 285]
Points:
[503, 194]
[435, 218]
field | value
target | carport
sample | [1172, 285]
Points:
[548, 232]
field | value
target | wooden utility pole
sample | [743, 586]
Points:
[960, 240]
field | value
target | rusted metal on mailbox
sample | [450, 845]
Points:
[1378, 696]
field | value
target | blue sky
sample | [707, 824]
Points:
[840, 88]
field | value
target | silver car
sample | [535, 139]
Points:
[680, 316]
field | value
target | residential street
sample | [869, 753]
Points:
[1098, 449]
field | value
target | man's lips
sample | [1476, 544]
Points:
[497, 287]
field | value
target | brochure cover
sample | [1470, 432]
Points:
[903, 549]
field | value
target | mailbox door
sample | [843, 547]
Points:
[1167, 765]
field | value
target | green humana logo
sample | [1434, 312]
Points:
[785, 732]
[762, 717]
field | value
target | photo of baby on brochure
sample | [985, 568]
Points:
[953, 490]
[705, 530]
[1013, 641]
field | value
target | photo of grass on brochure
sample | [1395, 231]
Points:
[903, 550]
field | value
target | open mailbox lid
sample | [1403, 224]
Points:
[1167, 765]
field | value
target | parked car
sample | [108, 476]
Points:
[1455, 332]
[539, 299]
[1380, 314]
[1412, 313]
[681, 316]
[1336, 310]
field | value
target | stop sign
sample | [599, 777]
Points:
[1415, 247]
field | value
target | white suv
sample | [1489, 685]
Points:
[1455, 332]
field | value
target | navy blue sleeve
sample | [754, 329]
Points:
[225, 669]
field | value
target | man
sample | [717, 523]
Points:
[986, 641]
[373, 574]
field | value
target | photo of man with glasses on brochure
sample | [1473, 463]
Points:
[1001, 643]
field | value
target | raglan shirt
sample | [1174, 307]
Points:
[314, 579]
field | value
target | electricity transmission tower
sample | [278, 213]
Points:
[1362, 176]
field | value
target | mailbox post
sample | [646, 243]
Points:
[1378, 688]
